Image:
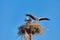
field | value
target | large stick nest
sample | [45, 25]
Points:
[30, 28]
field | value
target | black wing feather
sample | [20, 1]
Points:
[43, 19]
[31, 16]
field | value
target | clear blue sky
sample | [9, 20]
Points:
[12, 14]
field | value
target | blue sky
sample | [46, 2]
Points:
[12, 14]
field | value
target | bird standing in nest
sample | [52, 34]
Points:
[31, 28]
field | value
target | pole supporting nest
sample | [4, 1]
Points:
[27, 36]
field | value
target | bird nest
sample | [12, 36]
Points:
[30, 28]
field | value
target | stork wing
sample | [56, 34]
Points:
[30, 15]
[43, 19]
